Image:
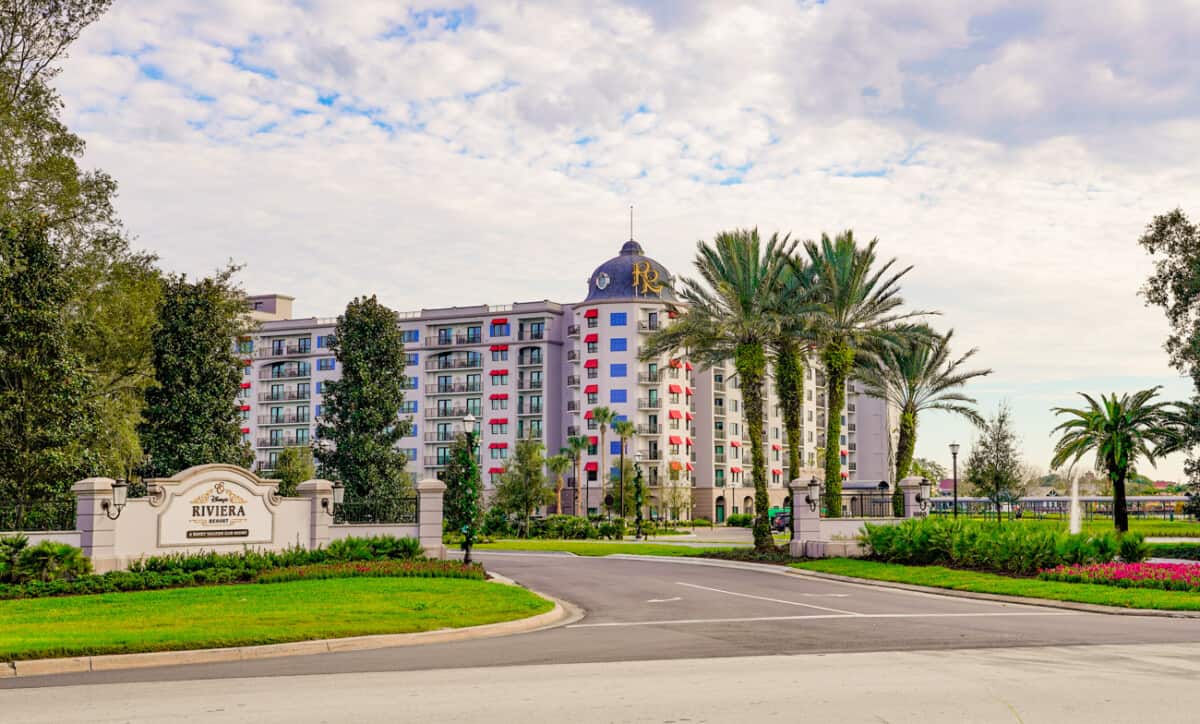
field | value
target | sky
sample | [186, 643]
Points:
[1010, 152]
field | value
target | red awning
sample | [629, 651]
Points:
[735, 470]
[587, 415]
[591, 364]
[676, 465]
[245, 385]
[675, 415]
[498, 396]
[593, 439]
[247, 362]
[245, 429]
[245, 408]
[495, 471]
[498, 373]
[844, 452]
[499, 348]
[500, 320]
[735, 443]
[498, 421]
[688, 440]
[776, 446]
[674, 363]
[675, 440]
[688, 390]
[591, 314]
[687, 366]
[690, 416]
[592, 466]
[689, 467]
[674, 389]
[593, 337]
[495, 445]
[776, 471]
[845, 474]
[591, 389]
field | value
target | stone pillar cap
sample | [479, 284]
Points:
[431, 485]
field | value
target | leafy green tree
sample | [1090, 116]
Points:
[558, 465]
[522, 487]
[993, 468]
[928, 469]
[46, 408]
[190, 416]
[360, 414]
[624, 430]
[1120, 431]
[463, 501]
[576, 448]
[603, 416]
[731, 314]
[622, 495]
[294, 466]
[916, 376]
[857, 312]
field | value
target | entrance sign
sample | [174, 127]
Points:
[214, 508]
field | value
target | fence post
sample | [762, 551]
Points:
[911, 486]
[319, 519]
[429, 516]
[806, 525]
[97, 533]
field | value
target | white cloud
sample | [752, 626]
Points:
[1011, 151]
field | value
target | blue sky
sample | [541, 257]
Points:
[454, 154]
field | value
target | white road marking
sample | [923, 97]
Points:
[824, 617]
[663, 600]
[765, 598]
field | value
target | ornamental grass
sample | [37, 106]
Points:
[374, 569]
[1161, 576]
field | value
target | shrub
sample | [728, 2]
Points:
[10, 553]
[50, 561]
[982, 545]
[740, 520]
[612, 529]
[374, 569]
[497, 524]
[568, 527]
[1185, 551]
[780, 554]
[1132, 548]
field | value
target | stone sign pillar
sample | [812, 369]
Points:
[806, 525]
[97, 533]
[320, 513]
[429, 516]
[911, 487]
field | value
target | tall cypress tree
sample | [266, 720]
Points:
[360, 414]
[463, 501]
[190, 415]
[45, 407]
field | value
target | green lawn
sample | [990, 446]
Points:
[597, 548]
[940, 577]
[241, 615]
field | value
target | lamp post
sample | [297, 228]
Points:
[470, 503]
[120, 490]
[339, 496]
[638, 498]
[924, 494]
[814, 494]
[954, 456]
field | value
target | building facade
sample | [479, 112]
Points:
[540, 369]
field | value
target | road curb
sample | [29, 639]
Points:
[948, 592]
[562, 614]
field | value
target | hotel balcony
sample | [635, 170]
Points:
[531, 410]
[289, 350]
[284, 396]
[573, 406]
[718, 457]
[443, 341]
[453, 388]
[652, 455]
[282, 441]
[529, 384]
[572, 430]
[531, 335]
[447, 436]
[573, 330]
[648, 378]
[285, 372]
[719, 386]
[649, 325]
[433, 461]
[649, 429]
[454, 362]
[719, 411]
[283, 419]
[434, 413]
[468, 339]
[572, 380]
[572, 355]
[530, 361]
[648, 404]
[718, 434]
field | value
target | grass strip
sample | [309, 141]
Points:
[976, 582]
[597, 548]
[251, 614]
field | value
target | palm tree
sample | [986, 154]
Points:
[918, 376]
[559, 465]
[624, 430]
[729, 314]
[856, 312]
[790, 345]
[577, 445]
[1120, 430]
[603, 416]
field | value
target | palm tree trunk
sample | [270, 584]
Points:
[603, 463]
[1120, 513]
[621, 490]
[558, 495]
[906, 445]
[789, 376]
[838, 357]
[751, 365]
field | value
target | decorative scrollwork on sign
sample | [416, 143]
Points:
[273, 497]
[157, 495]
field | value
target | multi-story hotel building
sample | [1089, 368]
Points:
[539, 369]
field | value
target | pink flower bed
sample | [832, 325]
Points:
[1163, 576]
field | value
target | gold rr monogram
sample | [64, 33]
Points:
[645, 278]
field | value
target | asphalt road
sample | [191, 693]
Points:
[649, 610]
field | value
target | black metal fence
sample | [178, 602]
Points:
[866, 504]
[1146, 507]
[403, 510]
[39, 516]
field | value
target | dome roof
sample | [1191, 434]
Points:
[630, 275]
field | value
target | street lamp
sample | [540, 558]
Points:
[954, 455]
[638, 496]
[814, 494]
[339, 497]
[924, 494]
[470, 504]
[120, 490]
